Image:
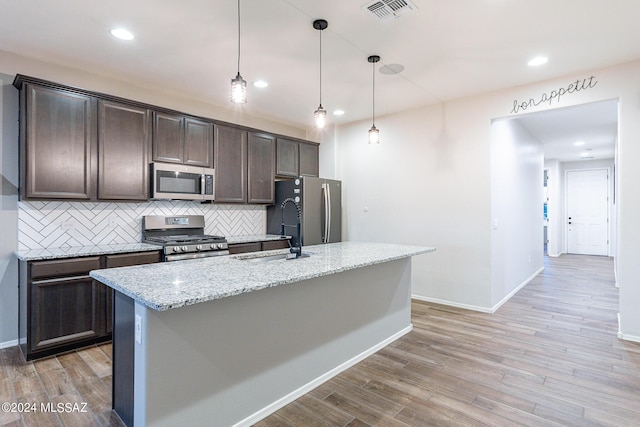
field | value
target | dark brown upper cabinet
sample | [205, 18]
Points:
[81, 145]
[287, 158]
[123, 151]
[296, 158]
[230, 164]
[261, 168]
[181, 139]
[309, 162]
[58, 144]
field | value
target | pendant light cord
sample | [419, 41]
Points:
[373, 96]
[238, 37]
[321, 67]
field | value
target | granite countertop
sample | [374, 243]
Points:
[177, 284]
[79, 251]
[255, 238]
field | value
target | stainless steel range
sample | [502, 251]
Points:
[182, 237]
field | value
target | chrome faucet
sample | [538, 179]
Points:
[297, 248]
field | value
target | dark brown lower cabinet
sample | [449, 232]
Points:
[62, 308]
[65, 311]
[240, 248]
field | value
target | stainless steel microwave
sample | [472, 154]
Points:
[182, 182]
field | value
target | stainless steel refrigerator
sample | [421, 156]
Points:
[319, 200]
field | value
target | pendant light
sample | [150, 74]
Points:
[320, 115]
[374, 133]
[238, 85]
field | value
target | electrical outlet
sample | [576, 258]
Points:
[68, 225]
[138, 329]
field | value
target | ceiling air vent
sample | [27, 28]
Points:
[386, 10]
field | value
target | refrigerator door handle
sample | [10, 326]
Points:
[328, 233]
[327, 212]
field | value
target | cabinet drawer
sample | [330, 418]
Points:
[124, 260]
[64, 267]
[240, 248]
[275, 244]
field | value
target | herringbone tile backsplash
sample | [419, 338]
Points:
[44, 225]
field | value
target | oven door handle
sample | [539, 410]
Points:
[195, 255]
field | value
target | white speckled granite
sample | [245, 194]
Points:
[177, 284]
[78, 251]
[253, 238]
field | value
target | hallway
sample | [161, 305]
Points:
[548, 357]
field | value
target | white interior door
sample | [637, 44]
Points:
[588, 212]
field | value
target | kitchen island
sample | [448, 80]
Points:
[226, 341]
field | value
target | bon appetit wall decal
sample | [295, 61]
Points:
[554, 95]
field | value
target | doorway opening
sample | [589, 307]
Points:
[577, 141]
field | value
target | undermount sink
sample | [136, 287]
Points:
[287, 256]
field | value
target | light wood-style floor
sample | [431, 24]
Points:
[548, 357]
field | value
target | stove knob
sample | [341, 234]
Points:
[184, 249]
[214, 246]
[176, 249]
[199, 247]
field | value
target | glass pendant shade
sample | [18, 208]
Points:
[374, 135]
[238, 90]
[320, 117]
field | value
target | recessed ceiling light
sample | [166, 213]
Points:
[587, 154]
[578, 143]
[338, 112]
[538, 60]
[260, 83]
[122, 34]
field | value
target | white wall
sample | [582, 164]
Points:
[517, 168]
[554, 210]
[429, 183]
[8, 211]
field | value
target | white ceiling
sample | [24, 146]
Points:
[450, 49]
[595, 124]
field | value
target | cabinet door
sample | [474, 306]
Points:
[230, 159]
[261, 167]
[64, 311]
[309, 163]
[123, 151]
[198, 142]
[287, 161]
[168, 138]
[58, 144]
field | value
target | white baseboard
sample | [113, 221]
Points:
[513, 292]
[451, 303]
[553, 255]
[270, 409]
[8, 344]
[476, 307]
[626, 337]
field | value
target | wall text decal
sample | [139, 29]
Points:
[554, 95]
